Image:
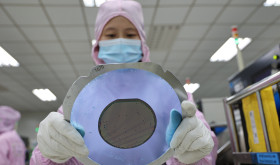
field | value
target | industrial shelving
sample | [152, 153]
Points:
[239, 156]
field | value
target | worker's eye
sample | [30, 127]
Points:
[111, 35]
[131, 35]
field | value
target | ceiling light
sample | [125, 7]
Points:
[191, 87]
[268, 3]
[93, 42]
[89, 3]
[228, 50]
[6, 59]
[99, 2]
[44, 94]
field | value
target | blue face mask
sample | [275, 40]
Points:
[120, 50]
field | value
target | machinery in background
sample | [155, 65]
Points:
[256, 71]
[252, 112]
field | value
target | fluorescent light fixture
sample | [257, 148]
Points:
[99, 2]
[6, 59]
[191, 87]
[92, 3]
[269, 3]
[93, 42]
[228, 50]
[44, 94]
[89, 3]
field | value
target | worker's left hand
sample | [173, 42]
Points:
[192, 139]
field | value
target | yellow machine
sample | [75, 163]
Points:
[271, 118]
[253, 123]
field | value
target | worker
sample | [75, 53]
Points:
[12, 148]
[120, 36]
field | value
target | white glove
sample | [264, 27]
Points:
[58, 140]
[192, 139]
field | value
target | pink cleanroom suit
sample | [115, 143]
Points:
[12, 148]
[131, 10]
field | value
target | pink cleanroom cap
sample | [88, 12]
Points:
[8, 118]
[129, 9]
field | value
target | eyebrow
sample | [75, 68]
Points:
[113, 29]
[130, 28]
[110, 28]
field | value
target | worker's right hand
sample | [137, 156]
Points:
[58, 140]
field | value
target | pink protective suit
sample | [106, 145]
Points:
[12, 148]
[131, 10]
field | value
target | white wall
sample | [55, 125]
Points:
[213, 110]
[27, 124]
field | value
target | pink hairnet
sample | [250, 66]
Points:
[129, 9]
[8, 118]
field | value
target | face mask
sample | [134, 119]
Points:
[120, 50]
